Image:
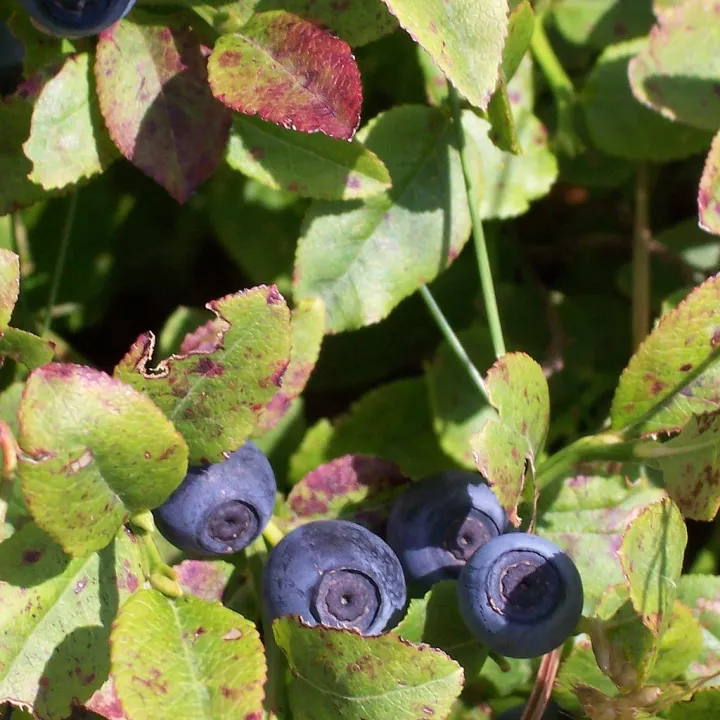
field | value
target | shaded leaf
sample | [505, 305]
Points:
[288, 71]
[620, 125]
[56, 618]
[463, 37]
[356, 487]
[690, 464]
[24, 347]
[152, 84]
[678, 73]
[9, 285]
[339, 673]
[519, 392]
[701, 593]
[215, 397]
[651, 555]
[521, 23]
[704, 704]
[311, 165]
[96, 448]
[435, 619]
[363, 258]
[307, 326]
[186, 658]
[674, 373]
[68, 141]
[709, 191]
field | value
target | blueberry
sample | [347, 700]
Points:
[335, 573]
[520, 595]
[76, 18]
[439, 522]
[220, 508]
[12, 53]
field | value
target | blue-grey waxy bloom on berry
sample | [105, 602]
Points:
[520, 595]
[335, 573]
[439, 522]
[76, 18]
[218, 509]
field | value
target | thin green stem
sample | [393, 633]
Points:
[481, 250]
[641, 258]
[272, 534]
[561, 87]
[453, 341]
[60, 262]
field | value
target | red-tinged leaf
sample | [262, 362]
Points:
[154, 96]
[291, 72]
[205, 579]
[709, 193]
[308, 324]
[106, 703]
[356, 487]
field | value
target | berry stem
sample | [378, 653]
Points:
[641, 258]
[481, 249]
[544, 681]
[453, 341]
[160, 575]
[272, 534]
[60, 261]
[561, 87]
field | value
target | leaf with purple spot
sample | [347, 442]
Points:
[186, 658]
[339, 673]
[68, 141]
[678, 74]
[216, 397]
[357, 22]
[55, 623]
[355, 487]
[205, 579]
[363, 257]
[288, 71]
[675, 373]
[307, 328]
[96, 448]
[464, 38]
[152, 85]
[311, 165]
[709, 191]
[519, 392]
[651, 555]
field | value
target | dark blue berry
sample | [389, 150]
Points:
[335, 573]
[219, 509]
[520, 595]
[76, 18]
[439, 522]
[12, 53]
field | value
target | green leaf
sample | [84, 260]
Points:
[620, 125]
[674, 373]
[9, 285]
[357, 22]
[310, 165]
[700, 593]
[587, 518]
[338, 673]
[68, 140]
[651, 555]
[519, 392]
[96, 448]
[598, 23]
[186, 658]
[307, 327]
[690, 464]
[709, 192]
[680, 645]
[521, 23]
[56, 618]
[312, 451]
[459, 409]
[463, 37]
[704, 704]
[435, 620]
[356, 487]
[699, 249]
[677, 74]
[511, 182]
[363, 258]
[288, 71]
[215, 398]
[24, 347]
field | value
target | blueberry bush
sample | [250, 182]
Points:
[359, 359]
